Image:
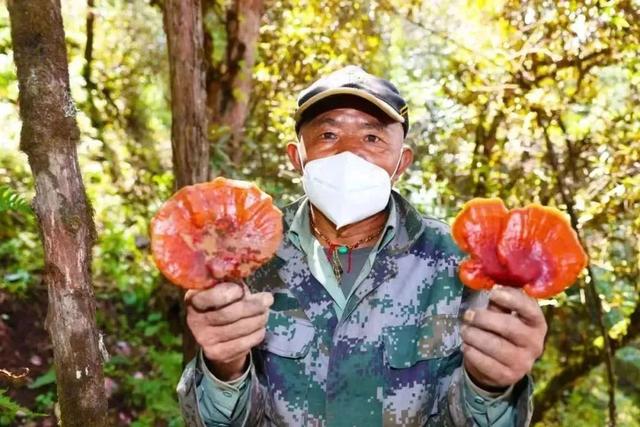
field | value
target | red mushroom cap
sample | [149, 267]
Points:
[216, 231]
[533, 248]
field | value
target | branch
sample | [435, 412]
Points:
[552, 392]
[528, 79]
[485, 140]
[97, 122]
[592, 293]
[439, 34]
[229, 87]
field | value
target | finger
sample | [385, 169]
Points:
[239, 329]
[216, 297]
[230, 350]
[497, 309]
[486, 369]
[513, 299]
[505, 325]
[490, 344]
[251, 305]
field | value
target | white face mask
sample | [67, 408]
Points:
[345, 187]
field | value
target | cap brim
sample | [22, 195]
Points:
[386, 108]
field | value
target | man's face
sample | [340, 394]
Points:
[358, 127]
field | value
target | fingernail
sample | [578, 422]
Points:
[502, 295]
[469, 315]
[462, 329]
[463, 347]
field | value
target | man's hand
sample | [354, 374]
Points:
[227, 321]
[501, 343]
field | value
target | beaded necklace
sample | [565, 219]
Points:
[335, 249]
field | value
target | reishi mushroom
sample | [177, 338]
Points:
[533, 248]
[215, 231]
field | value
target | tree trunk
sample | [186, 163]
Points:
[189, 143]
[229, 89]
[49, 137]
[183, 26]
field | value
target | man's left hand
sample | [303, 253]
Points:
[501, 343]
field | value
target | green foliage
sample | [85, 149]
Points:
[590, 398]
[147, 373]
[12, 201]
[493, 88]
[47, 378]
[20, 248]
[11, 411]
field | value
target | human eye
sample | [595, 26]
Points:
[372, 138]
[328, 136]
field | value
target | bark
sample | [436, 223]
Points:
[229, 87]
[183, 26]
[189, 143]
[49, 137]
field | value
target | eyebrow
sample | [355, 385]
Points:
[375, 125]
[327, 121]
[367, 125]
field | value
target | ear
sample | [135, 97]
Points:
[294, 157]
[406, 158]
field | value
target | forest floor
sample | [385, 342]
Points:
[26, 348]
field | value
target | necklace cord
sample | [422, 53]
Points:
[332, 257]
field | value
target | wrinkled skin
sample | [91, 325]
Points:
[501, 343]
[227, 320]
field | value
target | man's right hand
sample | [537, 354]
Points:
[227, 321]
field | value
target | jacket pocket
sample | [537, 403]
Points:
[288, 336]
[437, 337]
[414, 360]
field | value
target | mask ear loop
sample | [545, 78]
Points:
[398, 164]
[300, 150]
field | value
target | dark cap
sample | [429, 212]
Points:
[355, 81]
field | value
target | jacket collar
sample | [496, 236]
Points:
[404, 218]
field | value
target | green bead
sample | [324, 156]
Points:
[343, 250]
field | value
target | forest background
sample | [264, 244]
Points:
[530, 101]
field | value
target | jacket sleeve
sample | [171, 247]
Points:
[187, 394]
[259, 412]
[496, 410]
[465, 407]
[460, 403]
[207, 402]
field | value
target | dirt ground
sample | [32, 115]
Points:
[25, 348]
[26, 352]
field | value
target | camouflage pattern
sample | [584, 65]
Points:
[392, 359]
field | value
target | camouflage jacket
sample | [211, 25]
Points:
[391, 359]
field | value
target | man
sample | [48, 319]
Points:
[359, 319]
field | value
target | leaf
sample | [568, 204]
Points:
[9, 409]
[620, 22]
[47, 378]
[154, 317]
[18, 276]
[12, 201]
